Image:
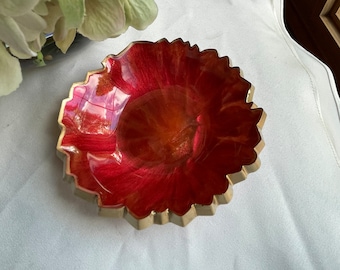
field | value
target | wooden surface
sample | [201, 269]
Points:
[330, 16]
[318, 34]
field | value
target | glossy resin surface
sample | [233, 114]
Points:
[161, 130]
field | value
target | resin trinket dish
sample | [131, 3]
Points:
[161, 133]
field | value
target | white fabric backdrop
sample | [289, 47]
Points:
[284, 216]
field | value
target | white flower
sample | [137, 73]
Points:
[20, 29]
[24, 23]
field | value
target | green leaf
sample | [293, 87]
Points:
[73, 11]
[39, 61]
[11, 34]
[140, 13]
[10, 72]
[13, 8]
[104, 19]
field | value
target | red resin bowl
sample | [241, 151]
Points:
[160, 133]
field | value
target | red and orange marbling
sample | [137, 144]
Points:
[159, 128]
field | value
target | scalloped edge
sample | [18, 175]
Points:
[166, 216]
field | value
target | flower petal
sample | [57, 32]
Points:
[31, 25]
[11, 34]
[15, 8]
[64, 44]
[104, 19]
[37, 44]
[41, 8]
[60, 31]
[140, 13]
[74, 11]
[54, 14]
[10, 72]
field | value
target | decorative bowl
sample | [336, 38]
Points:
[161, 133]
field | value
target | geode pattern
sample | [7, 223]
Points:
[160, 133]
